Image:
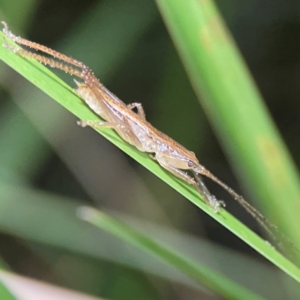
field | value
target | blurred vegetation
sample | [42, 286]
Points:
[47, 161]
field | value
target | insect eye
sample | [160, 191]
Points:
[190, 163]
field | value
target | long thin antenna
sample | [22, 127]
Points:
[268, 226]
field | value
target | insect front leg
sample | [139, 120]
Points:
[140, 110]
[199, 185]
[213, 202]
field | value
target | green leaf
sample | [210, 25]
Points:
[235, 108]
[63, 94]
[63, 231]
[191, 268]
[5, 294]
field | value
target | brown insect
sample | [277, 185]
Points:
[133, 127]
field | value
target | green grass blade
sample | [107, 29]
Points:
[63, 94]
[63, 231]
[235, 108]
[193, 269]
[5, 294]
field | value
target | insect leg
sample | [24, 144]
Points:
[140, 110]
[213, 201]
[85, 72]
[36, 46]
[200, 187]
[96, 124]
[269, 227]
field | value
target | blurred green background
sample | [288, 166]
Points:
[50, 166]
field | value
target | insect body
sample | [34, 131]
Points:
[133, 127]
[135, 130]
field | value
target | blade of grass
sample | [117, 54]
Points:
[5, 293]
[200, 273]
[11, 137]
[235, 108]
[62, 230]
[63, 94]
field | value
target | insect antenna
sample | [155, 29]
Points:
[270, 228]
